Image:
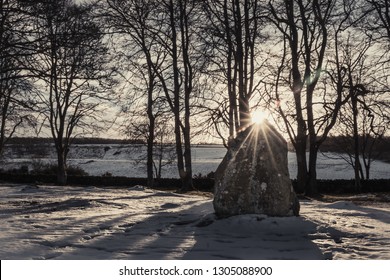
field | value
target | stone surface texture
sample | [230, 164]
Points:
[253, 177]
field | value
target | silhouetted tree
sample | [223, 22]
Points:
[15, 50]
[362, 122]
[70, 65]
[359, 70]
[163, 146]
[232, 38]
[160, 45]
[133, 22]
[377, 18]
[309, 112]
[178, 78]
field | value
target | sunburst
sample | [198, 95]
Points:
[258, 116]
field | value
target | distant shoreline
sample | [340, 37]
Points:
[330, 145]
[89, 141]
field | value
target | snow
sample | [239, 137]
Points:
[52, 222]
[124, 160]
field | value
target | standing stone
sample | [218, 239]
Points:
[253, 176]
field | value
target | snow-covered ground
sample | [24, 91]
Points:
[51, 222]
[124, 160]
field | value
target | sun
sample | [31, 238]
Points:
[258, 116]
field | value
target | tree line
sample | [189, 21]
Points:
[177, 69]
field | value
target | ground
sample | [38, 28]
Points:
[52, 222]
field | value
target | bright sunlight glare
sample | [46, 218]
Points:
[258, 116]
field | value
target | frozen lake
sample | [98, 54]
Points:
[129, 161]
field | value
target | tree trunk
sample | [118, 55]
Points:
[367, 168]
[300, 152]
[230, 83]
[311, 185]
[187, 180]
[300, 139]
[188, 86]
[3, 122]
[176, 92]
[357, 175]
[62, 176]
[160, 158]
[357, 164]
[149, 161]
[243, 103]
[300, 149]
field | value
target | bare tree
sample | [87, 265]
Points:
[160, 38]
[180, 73]
[232, 34]
[363, 120]
[135, 19]
[164, 152]
[70, 66]
[361, 135]
[310, 111]
[163, 146]
[170, 42]
[15, 88]
[359, 69]
[377, 18]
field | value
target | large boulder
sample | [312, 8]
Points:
[253, 176]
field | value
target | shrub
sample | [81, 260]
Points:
[51, 169]
[208, 176]
[76, 171]
[107, 174]
[24, 169]
[21, 170]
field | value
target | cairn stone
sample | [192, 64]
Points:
[253, 176]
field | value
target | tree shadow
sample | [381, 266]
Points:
[350, 233]
[185, 235]
[167, 230]
[250, 237]
[366, 211]
[105, 236]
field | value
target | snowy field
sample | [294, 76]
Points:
[51, 222]
[126, 160]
